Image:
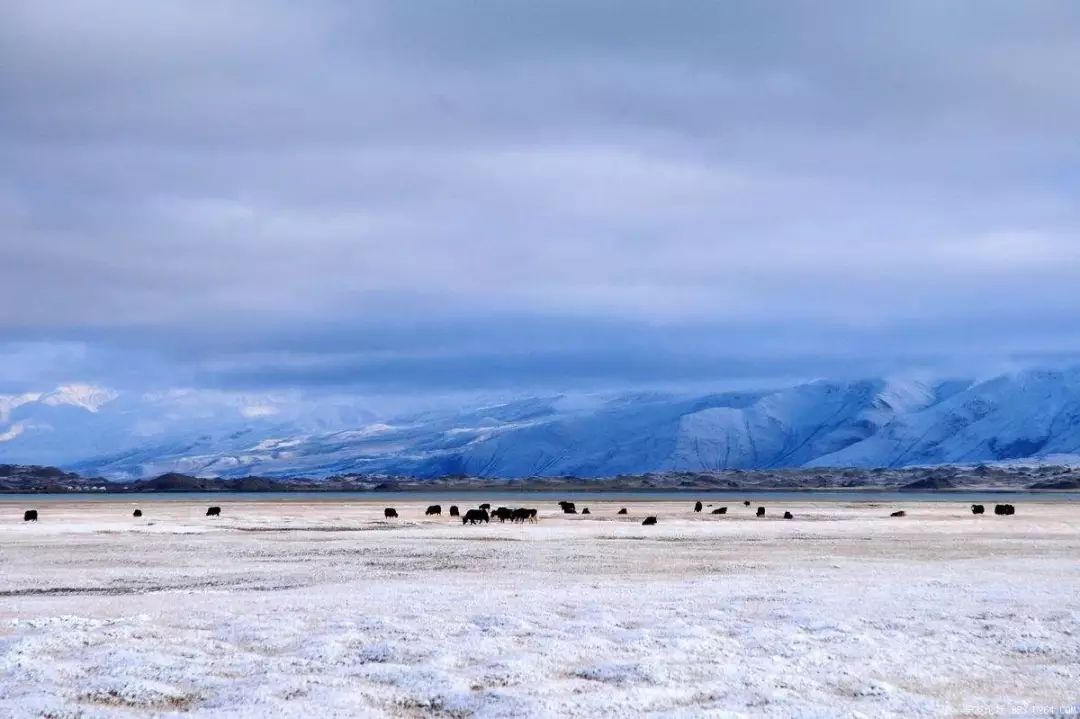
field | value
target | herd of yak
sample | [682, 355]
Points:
[485, 513]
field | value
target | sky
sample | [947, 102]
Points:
[504, 195]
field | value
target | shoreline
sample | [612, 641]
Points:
[576, 488]
[20, 500]
[1050, 478]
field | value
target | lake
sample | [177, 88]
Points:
[509, 497]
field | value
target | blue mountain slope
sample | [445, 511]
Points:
[869, 423]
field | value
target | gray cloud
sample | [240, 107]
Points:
[448, 194]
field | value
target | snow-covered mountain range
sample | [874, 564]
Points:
[1032, 414]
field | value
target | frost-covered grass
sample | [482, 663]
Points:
[323, 609]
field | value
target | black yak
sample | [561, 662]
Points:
[1004, 509]
[787, 515]
[454, 511]
[472, 516]
[213, 511]
[622, 511]
[30, 515]
[901, 513]
[433, 509]
[521, 514]
[568, 507]
[761, 511]
[137, 513]
[697, 506]
[720, 510]
[585, 511]
[746, 503]
[503, 513]
[485, 507]
[977, 509]
[389, 513]
[649, 521]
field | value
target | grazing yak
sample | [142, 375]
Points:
[697, 506]
[521, 514]
[30, 515]
[472, 516]
[787, 515]
[389, 513]
[137, 513]
[649, 521]
[213, 511]
[454, 511]
[622, 511]
[433, 509]
[720, 510]
[585, 511]
[568, 507]
[977, 509]
[761, 511]
[901, 513]
[503, 513]
[1004, 509]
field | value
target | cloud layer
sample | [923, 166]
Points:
[447, 195]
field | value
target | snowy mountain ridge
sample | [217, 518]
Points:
[1031, 415]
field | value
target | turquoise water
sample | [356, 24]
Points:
[505, 496]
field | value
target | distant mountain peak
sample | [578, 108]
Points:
[878, 422]
[86, 396]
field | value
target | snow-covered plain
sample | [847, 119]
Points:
[322, 608]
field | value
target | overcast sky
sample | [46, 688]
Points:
[436, 196]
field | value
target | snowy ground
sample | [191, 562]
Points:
[318, 609]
